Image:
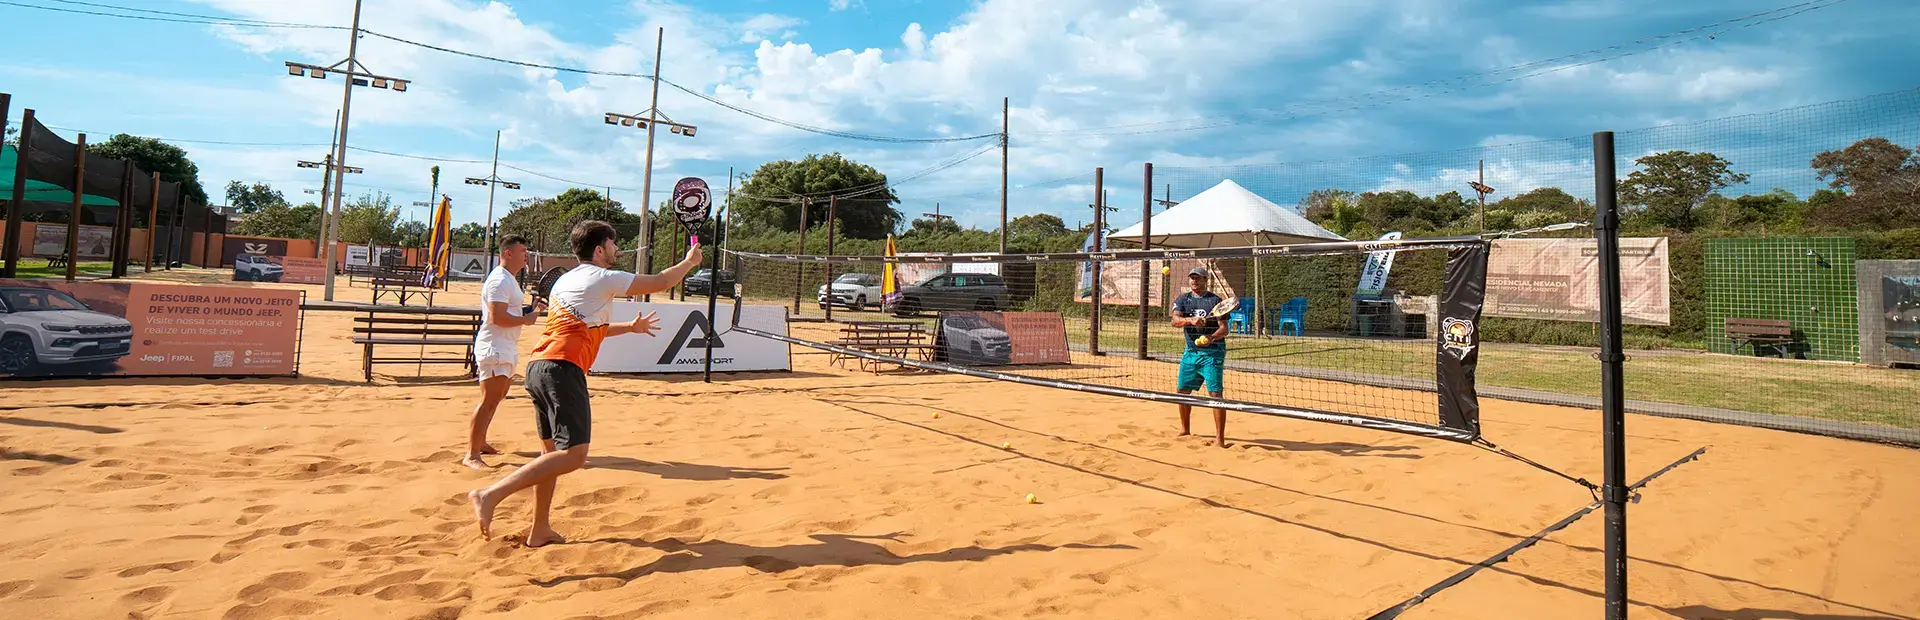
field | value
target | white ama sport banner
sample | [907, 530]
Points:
[680, 344]
[472, 263]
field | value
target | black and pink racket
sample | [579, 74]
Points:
[692, 205]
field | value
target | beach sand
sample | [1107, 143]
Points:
[827, 493]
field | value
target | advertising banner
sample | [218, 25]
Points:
[286, 269]
[233, 247]
[50, 240]
[680, 344]
[974, 338]
[87, 329]
[1889, 303]
[359, 256]
[1120, 281]
[473, 264]
[1373, 279]
[1559, 279]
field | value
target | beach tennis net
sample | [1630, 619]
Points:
[1377, 334]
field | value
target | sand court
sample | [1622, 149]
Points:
[834, 493]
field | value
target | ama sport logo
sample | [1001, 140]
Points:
[686, 338]
[1457, 336]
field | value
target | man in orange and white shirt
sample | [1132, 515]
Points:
[578, 320]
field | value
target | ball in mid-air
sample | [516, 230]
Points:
[1166, 270]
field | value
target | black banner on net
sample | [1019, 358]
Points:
[1461, 299]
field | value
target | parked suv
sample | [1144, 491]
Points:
[41, 326]
[853, 291]
[256, 268]
[954, 291]
[698, 283]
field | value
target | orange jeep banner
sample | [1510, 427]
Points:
[51, 328]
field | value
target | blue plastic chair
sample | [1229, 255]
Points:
[1240, 321]
[1294, 313]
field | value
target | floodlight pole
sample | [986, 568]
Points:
[332, 232]
[645, 243]
[493, 176]
[1003, 173]
[1612, 392]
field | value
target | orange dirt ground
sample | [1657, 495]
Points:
[827, 493]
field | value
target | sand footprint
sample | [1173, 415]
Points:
[148, 597]
[8, 588]
[274, 608]
[171, 567]
[264, 589]
[251, 514]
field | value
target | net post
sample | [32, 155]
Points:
[713, 289]
[79, 194]
[800, 270]
[1612, 395]
[1099, 245]
[153, 228]
[1146, 243]
[833, 208]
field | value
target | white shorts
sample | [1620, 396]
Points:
[495, 368]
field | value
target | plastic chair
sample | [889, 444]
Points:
[1294, 313]
[1240, 321]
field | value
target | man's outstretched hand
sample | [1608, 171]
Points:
[694, 256]
[644, 324]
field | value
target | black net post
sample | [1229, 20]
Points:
[1606, 227]
[1099, 245]
[79, 195]
[713, 291]
[15, 208]
[123, 222]
[798, 274]
[153, 219]
[1146, 243]
[833, 209]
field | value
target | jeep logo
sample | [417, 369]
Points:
[254, 248]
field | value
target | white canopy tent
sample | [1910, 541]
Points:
[1227, 215]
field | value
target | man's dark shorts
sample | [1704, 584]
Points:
[559, 391]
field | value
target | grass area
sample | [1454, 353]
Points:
[37, 268]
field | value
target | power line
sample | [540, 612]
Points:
[822, 130]
[194, 19]
[261, 23]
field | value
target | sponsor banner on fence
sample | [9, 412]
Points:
[975, 338]
[680, 344]
[470, 263]
[285, 269]
[359, 256]
[1559, 279]
[80, 329]
[233, 247]
[50, 240]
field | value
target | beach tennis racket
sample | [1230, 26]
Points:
[543, 289]
[1219, 311]
[691, 204]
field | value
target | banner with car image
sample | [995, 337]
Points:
[51, 328]
[977, 338]
[283, 269]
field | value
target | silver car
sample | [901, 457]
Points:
[41, 327]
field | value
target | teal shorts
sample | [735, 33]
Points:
[1199, 366]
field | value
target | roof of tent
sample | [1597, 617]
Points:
[1227, 215]
[40, 191]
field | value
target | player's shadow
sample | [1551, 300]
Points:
[829, 550]
[102, 430]
[675, 470]
[1341, 448]
[57, 459]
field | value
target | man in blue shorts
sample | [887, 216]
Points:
[1206, 350]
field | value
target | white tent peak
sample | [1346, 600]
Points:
[1227, 215]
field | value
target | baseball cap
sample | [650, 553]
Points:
[1198, 271]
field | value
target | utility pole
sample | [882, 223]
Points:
[937, 217]
[326, 184]
[357, 75]
[648, 120]
[1480, 187]
[328, 171]
[1003, 174]
[491, 181]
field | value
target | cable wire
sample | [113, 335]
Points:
[194, 19]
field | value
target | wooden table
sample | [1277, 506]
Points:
[892, 338]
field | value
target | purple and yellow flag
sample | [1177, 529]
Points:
[440, 244]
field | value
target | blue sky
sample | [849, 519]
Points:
[1312, 83]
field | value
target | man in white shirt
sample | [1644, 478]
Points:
[496, 347]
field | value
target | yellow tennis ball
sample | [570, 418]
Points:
[1006, 445]
[1031, 499]
[1166, 270]
[1202, 341]
[936, 415]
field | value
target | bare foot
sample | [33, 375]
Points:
[544, 537]
[1222, 442]
[474, 462]
[489, 449]
[1184, 434]
[482, 511]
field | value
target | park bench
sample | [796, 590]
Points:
[417, 329]
[1760, 332]
[57, 261]
[893, 339]
[399, 284]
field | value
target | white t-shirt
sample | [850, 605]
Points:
[587, 293]
[494, 342]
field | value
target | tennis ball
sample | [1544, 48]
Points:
[1031, 499]
[1202, 341]
[1006, 445]
[1166, 270]
[936, 415]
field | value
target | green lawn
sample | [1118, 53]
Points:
[37, 268]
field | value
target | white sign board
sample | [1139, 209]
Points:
[358, 256]
[470, 262]
[680, 344]
[1373, 280]
[962, 266]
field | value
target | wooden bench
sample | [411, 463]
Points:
[1760, 332]
[57, 261]
[894, 339]
[399, 285]
[417, 329]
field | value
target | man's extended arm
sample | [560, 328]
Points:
[647, 284]
[497, 314]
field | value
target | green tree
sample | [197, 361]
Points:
[155, 156]
[930, 226]
[12, 136]
[252, 198]
[282, 221]
[470, 236]
[1669, 187]
[1036, 225]
[411, 234]
[770, 197]
[370, 219]
[1880, 182]
[545, 222]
